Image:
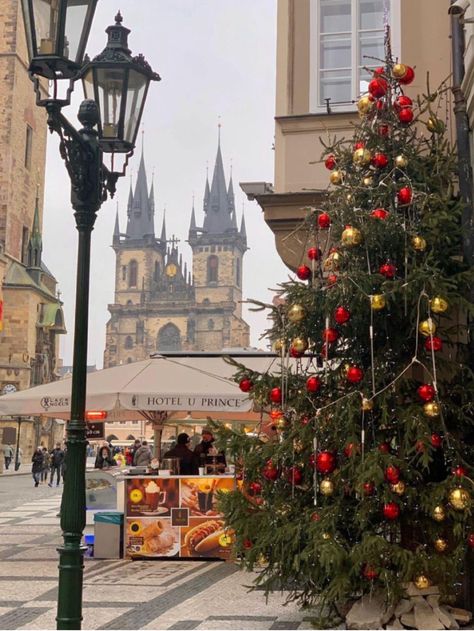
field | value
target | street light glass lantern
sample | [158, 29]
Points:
[119, 84]
[56, 35]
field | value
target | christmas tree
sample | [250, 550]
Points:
[366, 485]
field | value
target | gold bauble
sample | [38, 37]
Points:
[298, 446]
[440, 544]
[401, 161]
[278, 345]
[365, 104]
[439, 304]
[431, 409]
[344, 368]
[422, 582]
[438, 513]
[299, 344]
[326, 536]
[349, 197]
[281, 422]
[399, 71]
[427, 327]
[351, 236]
[296, 313]
[326, 487]
[435, 125]
[459, 499]
[399, 488]
[418, 243]
[361, 157]
[332, 262]
[367, 181]
[367, 405]
[377, 302]
[335, 177]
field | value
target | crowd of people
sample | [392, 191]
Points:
[50, 464]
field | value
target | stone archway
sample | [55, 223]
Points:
[169, 338]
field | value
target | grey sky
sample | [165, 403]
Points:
[216, 58]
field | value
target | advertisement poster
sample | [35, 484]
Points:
[151, 537]
[205, 538]
[150, 497]
[200, 494]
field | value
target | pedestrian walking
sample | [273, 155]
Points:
[46, 465]
[57, 459]
[18, 458]
[37, 465]
[143, 455]
[8, 455]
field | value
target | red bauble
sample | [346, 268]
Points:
[404, 195]
[383, 130]
[314, 254]
[359, 145]
[325, 462]
[470, 540]
[392, 474]
[324, 220]
[370, 573]
[332, 279]
[459, 471]
[391, 511]
[315, 517]
[294, 475]
[384, 447]
[436, 441]
[247, 544]
[296, 354]
[380, 213]
[313, 384]
[330, 163]
[380, 105]
[341, 315]
[269, 471]
[405, 115]
[378, 87]
[303, 272]
[408, 76]
[245, 385]
[369, 488]
[304, 420]
[350, 449]
[380, 161]
[426, 392]
[354, 374]
[275, 395]
[330, 335]
[403, 101]
[255, 487]
[388, 270]
[419, 446]
[433, 343]
[380, 70]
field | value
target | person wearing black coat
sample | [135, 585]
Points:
[188, 460]
[37, 465]
[104, 458]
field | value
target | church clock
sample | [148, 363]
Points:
[171, 270]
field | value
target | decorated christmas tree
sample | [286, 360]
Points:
[367, 483]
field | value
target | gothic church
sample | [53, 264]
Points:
[159, 304]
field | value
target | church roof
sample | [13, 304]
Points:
[141, 207]
[218, 202]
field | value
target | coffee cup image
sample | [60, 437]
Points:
[154, 496]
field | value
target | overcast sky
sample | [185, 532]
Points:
[216, 58]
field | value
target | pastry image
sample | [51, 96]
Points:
[152, 537]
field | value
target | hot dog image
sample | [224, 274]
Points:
[204, 537]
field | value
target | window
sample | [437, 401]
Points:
[345, 36]
[132, 273]
[169, 338]
[129, 360]
[212, 269]
[28, 146]
[210, 324]
[156, 272]
[128, 342]
[124, 272]
[238, 272]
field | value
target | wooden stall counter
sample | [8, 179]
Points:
[175, 516]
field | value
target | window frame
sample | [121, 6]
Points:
[314, 54]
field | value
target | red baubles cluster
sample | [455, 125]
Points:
[391, 511]
[380, 160]
[314, 254]
[245, 385]
[255, 488]
[294, 475]
[380, 213]
[436, 441]
[324, 462]
[354, 374]
[404, 74]
[270, 471]
[369, 488]
[341, 315]
[405, 195]
[392, 474]
[388, 270]
[324, 221]
[426, 392]
[378, 87]
[405, 115]
[275, 395]
[330, 163]
[459, 471]
[370, 573]
[313, 384]
[303, 272]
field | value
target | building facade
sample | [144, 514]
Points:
[160, 305]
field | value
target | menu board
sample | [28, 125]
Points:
[176, 517]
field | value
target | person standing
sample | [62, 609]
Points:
[46, 463]
[188, 460]
[208, 454]
[37, 465]
[57, 459]
[104, 458]
[133, 449]
[18, 458]
[142, 456]
[8, 455]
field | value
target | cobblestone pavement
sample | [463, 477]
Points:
[119, 594]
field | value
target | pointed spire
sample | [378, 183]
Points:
[35, 245]
[218, 218]
[192, 223]
[243, 230]
[140, 211]
[207, 192]
[163, 228]
[151, 198]
[116, 237]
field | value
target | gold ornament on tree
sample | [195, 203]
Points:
[459, 499]
[427, 327]
[332, 262]
[399, 488]
[440, 544]
[296, 313]
[439, 304]
[431, 409]
[367, 404]
[299, 344]
[351, 236]
[279, 345]
[377, 302]
[418, 243]
[365, 104]
[326, 487]
[435, 125]
[361, 157]
[438, 513]
[367, 181]
[326, 536]
[422, 582]
[335, 177]
[401, 161]
[399, 71]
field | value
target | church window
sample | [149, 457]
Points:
[28, 146]
[206, 301]
[210, 324]
[129, 341]
[169, 338]
[206, 249]
[212, 269]
[129, 302]
[132, 273]
[238, 272]
[124, 272]
[140, 332]
[156, 273]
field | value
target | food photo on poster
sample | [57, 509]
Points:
[200, 495]
[152, 496]
[206, 537]
[151, 537]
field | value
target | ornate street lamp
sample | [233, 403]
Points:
[118, 85]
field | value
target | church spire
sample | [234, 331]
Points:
[243, 230]
[192, 224]
[218, 218]
[163, 228]
[35, 245]
[151, 198]
[116, 237]
[141, 212]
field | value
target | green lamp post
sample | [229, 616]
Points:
[116, 86]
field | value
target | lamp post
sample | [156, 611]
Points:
[116, 86]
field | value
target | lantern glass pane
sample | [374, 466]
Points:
[76, 12]
[137, 83]
[110, 88]
[28, 33]
[46, 16]
[88, 85]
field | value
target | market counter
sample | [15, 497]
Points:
[175, 516]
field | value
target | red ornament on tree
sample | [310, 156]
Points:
[354, 374]
[303, 272]
[296, 354]
[314, 254]
[459, 471]
[383, 130]
[245, 385]
[269, 471]
[380, 70]
[370, 573]
[470, 540]
[315, 517]
[325, 462]
[359, 145]
[330, 163]
[384, 447]
[378, 87]
[247, 544]
[330, 335]
[275, 395]
[426, 392]
[392, 474]
[324, 221]
[380, 161]
[408, 76]
[391, 511]
[436, 441]
[332, 279]
[313, 384]
[342, 315]
[433, 343]
[294, 475]
[255, 487]
[369, 488]
[403, 101]
[380, 213]
[388, 270]
[405, 115]
[350, 449]
[304, 420]
[404, 195]
[419, 446]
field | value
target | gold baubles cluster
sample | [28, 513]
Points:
[418, 243]
[299, 344]
[431, 409]
[438, 304]
[438, 514]
[422, 582]
[440, 544]
[332, 262]
[401, 161]
[361, 157]
[367, 405]
[399, 71]
[336, 177]
[459, 499]
[326, 487]
[365, 104]
[368, 181]
[296, 313]
[399, 488]
[427, 327]
[435, 125]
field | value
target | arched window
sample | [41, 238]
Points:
[130, 437]
[169, 338]
[132, 273]
[124, 272]
[156, 273]
[238, 273]
[129, 302]
[212, 268]
[210, 324]
[129, 341]
[111, 437]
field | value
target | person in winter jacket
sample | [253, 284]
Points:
[37, 465]
[143, 455]
[104, 458]
[57, 459]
